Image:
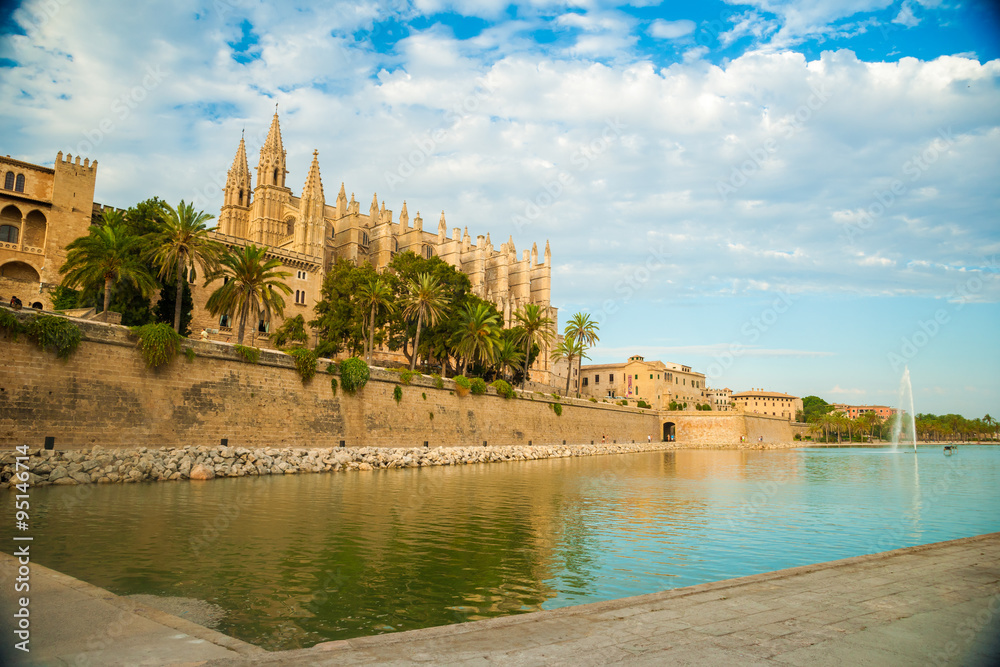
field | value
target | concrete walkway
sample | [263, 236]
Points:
[937, 604]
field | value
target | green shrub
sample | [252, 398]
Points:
[397, 393]
[333, 384]
[10, 323]
[643, 404]
[406, 375]
[189, 353]
[623, 402]
[305, 362]
[332, 368]
[503, 389]
[158, 342]
[354, 374]
[55, 332]
[424, 394]
[438, 381]
[462, 385]
[249, 354]
[292, 330]
[478, 386]
[432, 415]
[555, 396]
[593, 400]
[557, 408]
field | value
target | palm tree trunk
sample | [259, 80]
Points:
[243, 322]
[180, 294]
[569, 373]
[527, 353]
[416, 341]
[371, 336]
[107, 295]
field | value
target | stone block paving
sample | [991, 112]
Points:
[936, 604]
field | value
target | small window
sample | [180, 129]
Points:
[611, 377]
[650, 376]
[224, 321]
[8, 181]
[597, 379]
[19, 186]
[584, 382]
[8, 234]
[262, 325]
[428, 252]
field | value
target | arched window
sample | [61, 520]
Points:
[275, 176]
[224, 321]
[262, 327]
[8, 181]
[8, 234]
[19, 186]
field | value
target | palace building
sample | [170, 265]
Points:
[42, 210]
[308, 234]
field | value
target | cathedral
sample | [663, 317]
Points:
[308, 235]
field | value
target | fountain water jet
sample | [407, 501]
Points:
[905, 392]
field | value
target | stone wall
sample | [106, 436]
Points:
[104, 394]
[694, 429]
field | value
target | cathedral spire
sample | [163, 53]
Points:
[548, 252]
[404, 217]
[271, 167]
[313, 188]
[238, 188]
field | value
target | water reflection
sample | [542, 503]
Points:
[300, 559]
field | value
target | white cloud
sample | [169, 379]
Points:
[662, 29]
[905, 16]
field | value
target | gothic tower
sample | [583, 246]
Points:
[310, 230]
[270, 195]
[235, 214]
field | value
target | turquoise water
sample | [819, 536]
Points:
[295, 560]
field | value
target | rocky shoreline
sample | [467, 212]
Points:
[142, 464]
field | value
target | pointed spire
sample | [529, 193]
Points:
[548, 252]
[404, 217]
[442, 225]
[240, 163]
[313, 188]
[271, 166]
[342, 194]
[273, 141]
[488, 242]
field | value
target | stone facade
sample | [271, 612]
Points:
[308, 234]
[855, 411]
[655, 382]
[773, 403]
[41, 211]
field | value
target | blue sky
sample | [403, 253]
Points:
[799, 196]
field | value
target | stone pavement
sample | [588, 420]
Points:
[936, 604]
[75, 623]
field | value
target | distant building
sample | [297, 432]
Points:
[720, 399]
[773, 403]
[855, 411]
[42, 209]
[654, 382]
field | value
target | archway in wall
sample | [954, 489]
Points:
[669, 431]
[10, 220]
[34, 230]
[20, 271]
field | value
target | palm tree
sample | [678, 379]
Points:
[569, 349]
[252, 286]
[107, 255]
[536, 328]
[181, 243]
[872, 421]
[425, 297]
[478, 334]
[584, 330]
[375, 296]
[507, 357]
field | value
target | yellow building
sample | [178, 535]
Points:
[655, 382]
[721, 400]
[307, 235]
[773, 403]
[42, 210]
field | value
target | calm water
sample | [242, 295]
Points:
[295, 560]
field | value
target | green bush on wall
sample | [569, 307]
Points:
[305, 362]
[10, 323]
[503, 389]
[438, 381]
[55, 332]
[333, 384]
[158, 342]
[557, 408]
[477, 386]
[397, 393]
[354, 374]
[462, 385]
[249, 354]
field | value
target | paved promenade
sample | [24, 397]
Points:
[937, 604]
